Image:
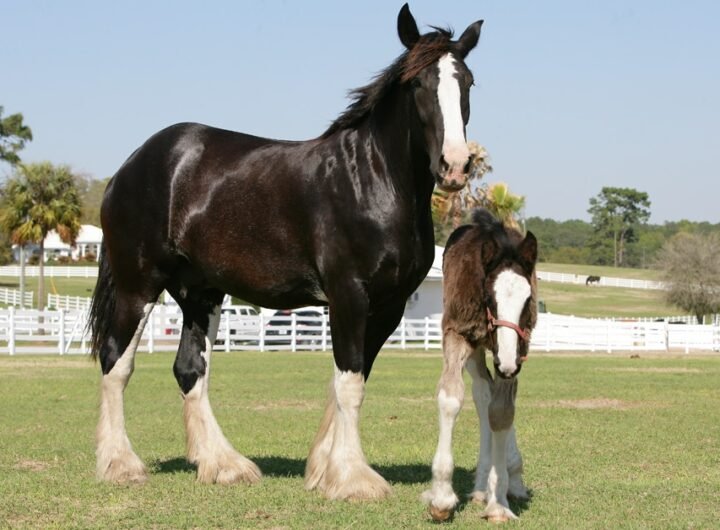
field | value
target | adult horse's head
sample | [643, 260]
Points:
[435, 69]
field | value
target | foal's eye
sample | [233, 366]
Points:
[415, 83]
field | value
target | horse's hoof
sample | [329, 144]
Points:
[235, 469]
[478, 497]
[440, 516]
[361, 483]
[497, 513]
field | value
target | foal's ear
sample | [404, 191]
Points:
[488, 250]
[407, 27]
[469, 39]
[528, 249]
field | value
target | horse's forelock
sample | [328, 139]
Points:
[428, 50]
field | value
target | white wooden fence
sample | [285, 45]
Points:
[52, 271]
[59, 301]
[63, 331]
[12, 297]
[604, 280]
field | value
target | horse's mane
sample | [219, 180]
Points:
[426, 51]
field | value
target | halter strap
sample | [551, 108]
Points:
[493, 322]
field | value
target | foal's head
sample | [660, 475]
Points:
[509, 262]
[434, 67]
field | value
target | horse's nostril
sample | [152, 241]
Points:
[443, 163]
[466, 169]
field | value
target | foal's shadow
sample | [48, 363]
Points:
[278, 466]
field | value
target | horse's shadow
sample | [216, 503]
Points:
[282, 467]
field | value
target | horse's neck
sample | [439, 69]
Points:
[398, 134]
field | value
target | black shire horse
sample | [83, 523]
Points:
[342, 220]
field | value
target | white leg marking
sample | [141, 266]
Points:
[481, 397]
[207, 446]
[454, 149]
[516, 487]
[511, 293]
[116, 460]
[441, 497]
[451, 393]
[347, 474]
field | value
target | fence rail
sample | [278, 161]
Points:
[604, 280]
[12, 297]
[64, 331]
[52, 271]
[59, 301]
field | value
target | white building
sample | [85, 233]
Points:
[87, 242]
[427, 300]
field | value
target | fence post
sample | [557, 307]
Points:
[262, 332]
[227, 331]
[11, 330]
[427, 333]
[324, 332]
[151, 331]
[293, 331]
[61, 332]
[402, 333]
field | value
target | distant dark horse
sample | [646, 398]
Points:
[342, 220]
[489, 304]
[592, 279]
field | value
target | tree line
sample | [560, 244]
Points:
[40, 197]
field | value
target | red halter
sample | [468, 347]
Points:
[493, 322]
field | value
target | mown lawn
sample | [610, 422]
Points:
[600, 270]
[609, 442]
[598, 301]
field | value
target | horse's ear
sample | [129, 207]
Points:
[407, 27]
[469, 39]
[529, 249]
[488, 250]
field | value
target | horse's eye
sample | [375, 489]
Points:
[415, 83]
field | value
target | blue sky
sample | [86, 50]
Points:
[570, 96]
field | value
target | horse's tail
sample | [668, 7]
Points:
[102, 307]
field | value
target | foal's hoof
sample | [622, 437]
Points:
[439, 515]
[496, 513]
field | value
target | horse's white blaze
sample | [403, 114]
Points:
[454, 149]
[511, 293]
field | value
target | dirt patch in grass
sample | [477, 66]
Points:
[32, 465]
[655, 370]
[590, 404]
[15, 363]
[284, 404]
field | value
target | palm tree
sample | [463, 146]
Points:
[37, 199]
[503, 204]
[450, 210]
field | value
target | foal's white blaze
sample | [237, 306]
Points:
[511, 293]
[454, 147]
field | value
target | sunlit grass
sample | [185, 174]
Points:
[608, 441]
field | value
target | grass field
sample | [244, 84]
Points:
[599, 270]
[609, 442]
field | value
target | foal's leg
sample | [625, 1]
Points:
[481, 382]
[501, 413]
[482, 395]
[207, 447]
[450, 395]
[337, 465]
[116, 460]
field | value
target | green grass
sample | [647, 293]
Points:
[64, 286]
[596, 301]
[608, 442]
[599, 270]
